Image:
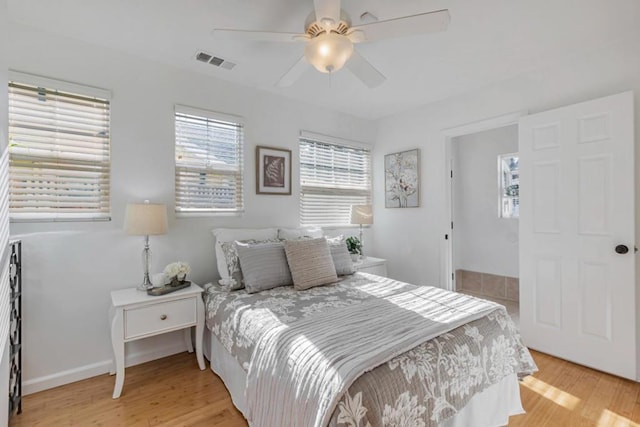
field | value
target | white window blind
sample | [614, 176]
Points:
[209, 153]
[5, 252]
[333, 177]
[59, 160]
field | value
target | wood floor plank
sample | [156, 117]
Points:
[174, 392]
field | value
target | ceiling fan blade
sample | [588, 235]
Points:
[294, 73]
[263, 36]
[327, 10]
[423, 23]
[357, 36]
[363, 70]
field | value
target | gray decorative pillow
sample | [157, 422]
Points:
[235, 279]
[340, 256]
[264, 266]
[310, 263]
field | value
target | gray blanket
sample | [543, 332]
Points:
[422, 386]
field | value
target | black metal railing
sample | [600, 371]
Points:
[15, 328]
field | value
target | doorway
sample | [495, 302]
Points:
[485, 212]
[577, 267]
[449, 136]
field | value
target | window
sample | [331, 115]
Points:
[59, 165]
[509, 185]
[333, 176]
[208, 162]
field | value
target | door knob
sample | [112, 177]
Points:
[622, 249]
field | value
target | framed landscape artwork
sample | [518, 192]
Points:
[273, 170]
[402, 179]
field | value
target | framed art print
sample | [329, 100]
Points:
[273, 170]
[402, 179]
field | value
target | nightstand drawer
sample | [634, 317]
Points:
[155, 318]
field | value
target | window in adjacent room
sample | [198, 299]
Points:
[334, 174]
[59, 150]
[509, 181]
[209, 153]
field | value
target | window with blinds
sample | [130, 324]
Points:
[509, 172]
[59, 160]
[209, 153]
[333, 176]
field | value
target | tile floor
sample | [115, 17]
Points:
[492, 285]
[513, 307]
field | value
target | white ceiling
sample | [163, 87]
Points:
[487, 41]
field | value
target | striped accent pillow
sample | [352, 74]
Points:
[310, 263]
[341, 256]
[264, 266]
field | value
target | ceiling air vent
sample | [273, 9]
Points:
[203, 57]
[214, 60]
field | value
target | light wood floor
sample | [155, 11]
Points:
[174, 392]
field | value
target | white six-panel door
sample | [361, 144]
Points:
[577, 294]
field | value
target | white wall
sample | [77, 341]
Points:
[482, 241]
[413, 239]
[70, 268]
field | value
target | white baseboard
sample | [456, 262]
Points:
[35, 385]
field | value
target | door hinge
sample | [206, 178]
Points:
[446, 237]
[453, 277]
[452, 225]
[451, 174]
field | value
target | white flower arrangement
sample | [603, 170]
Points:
[177, 269]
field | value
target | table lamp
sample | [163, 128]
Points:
[361, 215]
[145, 219]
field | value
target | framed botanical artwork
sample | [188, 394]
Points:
[273, 170]
[402, 179]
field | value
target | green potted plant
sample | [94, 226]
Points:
[354, 246]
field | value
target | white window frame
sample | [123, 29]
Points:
[72, 89]
[327, 190]
[502, 196]
[238, 173]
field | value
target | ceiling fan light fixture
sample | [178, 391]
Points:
[328, 22]
[328, 52]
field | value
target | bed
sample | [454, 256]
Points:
[365, 351]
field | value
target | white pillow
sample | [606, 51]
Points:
[232, 234]
[297, 233]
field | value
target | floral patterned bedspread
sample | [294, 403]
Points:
[421, 387]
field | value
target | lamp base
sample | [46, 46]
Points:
[146, 261]
[146, 283]
[144, 287]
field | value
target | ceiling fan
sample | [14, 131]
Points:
[329, 39]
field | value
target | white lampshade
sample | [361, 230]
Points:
[361, 214]
[328, 52]
[145, 219]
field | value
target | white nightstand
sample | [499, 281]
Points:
[136, 315]
[372, 265]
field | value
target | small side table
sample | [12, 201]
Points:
[372, 265]
[136, 315]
